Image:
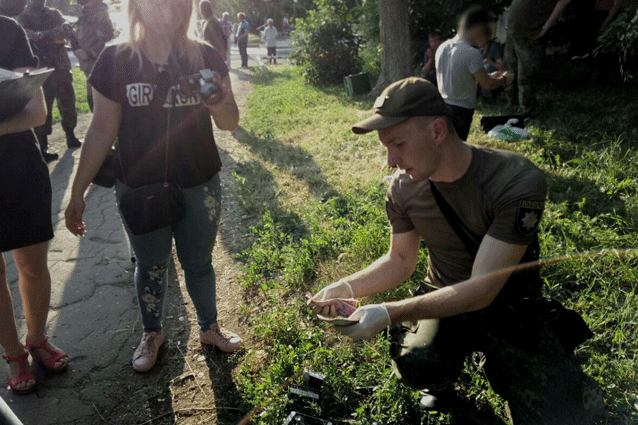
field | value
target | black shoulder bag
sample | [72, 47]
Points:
[155, 206]
[520, 298]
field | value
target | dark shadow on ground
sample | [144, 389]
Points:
[573, 190]
[289, 157]
[228, 400]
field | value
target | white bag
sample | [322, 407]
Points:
[508, 133]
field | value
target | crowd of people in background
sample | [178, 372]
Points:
[519, 55]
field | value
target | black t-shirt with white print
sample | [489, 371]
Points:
[143, 91]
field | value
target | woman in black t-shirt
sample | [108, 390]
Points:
[137, 99]
[25, 218]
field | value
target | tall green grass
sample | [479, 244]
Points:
[317, 192]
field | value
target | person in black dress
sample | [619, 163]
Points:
[25, 217]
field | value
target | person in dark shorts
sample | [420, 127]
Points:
[459, 67]
[477, 210]
[270, 36]
[139, 101]
[25, 217]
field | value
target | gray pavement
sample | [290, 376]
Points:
[93, 308]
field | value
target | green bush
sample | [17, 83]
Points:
[325, 44]
[621, 39]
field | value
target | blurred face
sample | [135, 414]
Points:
[162, 16]
[478, 35]
[12, 8]
[435, 42]
[270, 24]
[414, 146]
[206, 9]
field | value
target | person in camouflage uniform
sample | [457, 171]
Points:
[92, 31]
[44, 28]
[527, 24]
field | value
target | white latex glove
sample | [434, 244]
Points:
[373, 318]
[341, 289]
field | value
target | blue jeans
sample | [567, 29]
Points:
[195, 238]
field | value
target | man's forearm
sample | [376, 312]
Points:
[382, 275]
[464, 297]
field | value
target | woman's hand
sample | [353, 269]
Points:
[222, 106]
[216, 102]
[73, 215]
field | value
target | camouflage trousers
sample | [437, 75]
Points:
[541, 382]
[523, 57]
[58, 86]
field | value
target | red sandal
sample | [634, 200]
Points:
[54, 356]
[23, 376]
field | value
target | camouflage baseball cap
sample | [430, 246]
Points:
[400, 101]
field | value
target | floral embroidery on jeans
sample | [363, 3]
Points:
[211, 204]
[152, 299]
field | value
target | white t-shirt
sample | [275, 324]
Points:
[270, 35]
[456, 63]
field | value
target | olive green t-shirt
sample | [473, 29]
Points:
[502, 195]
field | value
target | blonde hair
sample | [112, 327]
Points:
[183, 40]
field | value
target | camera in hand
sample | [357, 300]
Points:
[201, 83]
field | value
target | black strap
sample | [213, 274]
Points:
[173, 96]
[469, 238]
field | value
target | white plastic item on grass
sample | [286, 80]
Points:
[508, 133]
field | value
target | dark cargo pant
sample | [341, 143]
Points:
[523, 57]
[58, 86]
[542, 385]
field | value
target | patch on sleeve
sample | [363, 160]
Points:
[529, 217]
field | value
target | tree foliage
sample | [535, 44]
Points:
[325, 43]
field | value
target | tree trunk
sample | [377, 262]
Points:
[396, 56]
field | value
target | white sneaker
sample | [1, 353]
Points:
[220, 338]
[145, 355]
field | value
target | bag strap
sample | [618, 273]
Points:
[469, 238]
[171, 91]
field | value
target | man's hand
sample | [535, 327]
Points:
[81, 54]
[341, 289]
[509, 78]
[373, 319]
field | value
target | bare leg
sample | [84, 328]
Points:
[35, 288]
[8, 332]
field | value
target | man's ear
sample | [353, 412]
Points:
[439, 126]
